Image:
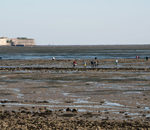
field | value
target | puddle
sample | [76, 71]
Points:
[2, 86]
[112, 104]
[4, 76]
[20, 96]
[132, 92]
[10, 89]
[91, 82]
[62, 106]
[14, 89]
[3, 99]
[148, 115]
[54, 101]
[132, 114]
[83, 101]
[115, 86]
[83, 110]
[147, 109]
[64, 81]
[66, 94]
[75, 96]
[59, 106]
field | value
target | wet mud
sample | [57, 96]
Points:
[75, 98]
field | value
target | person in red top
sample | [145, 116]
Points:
[74, 63]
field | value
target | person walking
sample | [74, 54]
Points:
[116, 62]
[74, 63]
[53, 58]
[92, 64]
[85, 64]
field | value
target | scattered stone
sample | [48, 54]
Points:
[68, 109]
[138, 107]
[35, 120]
[74, 110]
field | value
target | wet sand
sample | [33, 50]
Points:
[52, 94]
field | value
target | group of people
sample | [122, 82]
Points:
[94, 63]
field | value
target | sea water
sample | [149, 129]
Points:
[70, 52]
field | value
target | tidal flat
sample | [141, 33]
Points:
[51, 94]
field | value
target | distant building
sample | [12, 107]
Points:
[21, 41]
[4, 41]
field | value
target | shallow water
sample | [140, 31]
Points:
[113, 105]
[72, 52]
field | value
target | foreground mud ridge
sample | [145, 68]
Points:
[62, 120]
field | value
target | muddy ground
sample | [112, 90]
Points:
[72, 98]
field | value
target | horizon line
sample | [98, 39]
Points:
[94, 44]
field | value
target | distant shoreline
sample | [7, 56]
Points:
[109, 47]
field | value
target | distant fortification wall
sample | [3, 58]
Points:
[23, 42]
[4, 41]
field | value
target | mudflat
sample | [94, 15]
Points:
[51, 94]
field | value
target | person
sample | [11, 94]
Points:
[137, 57]
[74, 63]
[85, 64]
[95, 63]
[146, 58]
[92, 64]
[116, 62]
[53, 58]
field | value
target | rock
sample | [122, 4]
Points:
[68, 109]
[74, 110]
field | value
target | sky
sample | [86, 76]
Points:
[77, 22]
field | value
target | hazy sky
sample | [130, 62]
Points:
[76, 21]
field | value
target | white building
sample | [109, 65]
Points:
[4, 41]
[22, 42]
